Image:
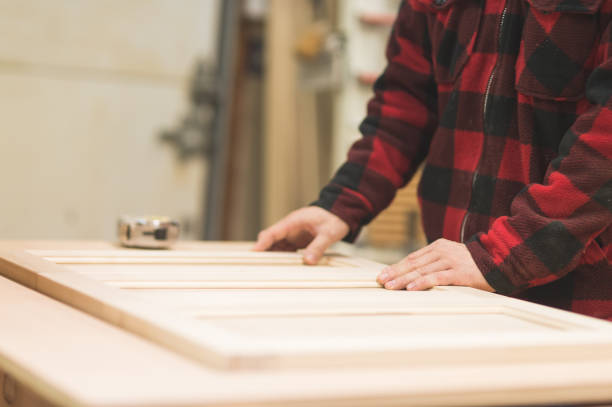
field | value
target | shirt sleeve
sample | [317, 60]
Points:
[401, 118]
[552, 225]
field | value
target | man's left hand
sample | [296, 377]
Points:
[443, 262]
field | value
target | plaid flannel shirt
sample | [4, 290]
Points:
[508, 103]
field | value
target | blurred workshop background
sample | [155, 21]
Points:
[225, 115]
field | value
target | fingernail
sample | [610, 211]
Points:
[390, 284]
[410, 286]
[383, 276]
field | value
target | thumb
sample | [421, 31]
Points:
[314, 252]
[264, 241]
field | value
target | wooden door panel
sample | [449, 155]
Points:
[217, 273]
[212, 270]
[232, 308]
[130, 371]
[402, 326]
[279, 346]
[300, 301]
[216, 254]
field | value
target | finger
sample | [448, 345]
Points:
[444, 277]
[273, 234]
[422, 251]
[405, 266]
[264, 240]
[402, 281]
[384, 275]
[314, 251]
[262, 243]
[433, 267]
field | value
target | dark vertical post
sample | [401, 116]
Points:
[217, 169]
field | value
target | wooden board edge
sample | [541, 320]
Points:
[541, 311]
[39, 386]
[111, 305]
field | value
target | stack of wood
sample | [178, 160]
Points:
[399, 226]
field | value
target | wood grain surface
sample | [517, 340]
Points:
[274, 332]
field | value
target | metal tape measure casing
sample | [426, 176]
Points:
[148, 232]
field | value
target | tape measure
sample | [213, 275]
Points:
[148, 232]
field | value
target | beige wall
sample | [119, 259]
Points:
[86, 86]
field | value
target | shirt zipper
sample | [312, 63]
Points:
[484, 114]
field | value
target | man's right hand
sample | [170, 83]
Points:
[312, 228]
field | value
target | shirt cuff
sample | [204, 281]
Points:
[490, 271]
[347, 206]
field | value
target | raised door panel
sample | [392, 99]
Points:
[231, 308]
[130, 371]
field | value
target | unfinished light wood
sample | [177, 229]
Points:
[225, 339]
[209, 257]
[15, 394]
[245, 302]
[571, 365]
[399, 225]
[71, 358]
[130, 371]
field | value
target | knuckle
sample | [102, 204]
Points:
[316, 249]
[392, 270]
[404, 263]
[420, 269]
[423, 263]
[421, 272]
[324, 239]
[402, 282]
[414, 279]
[406, 278]
[292, 218]
[418, 284]
[397, 272]
[326, 232]
[271, 233]
[445, 278]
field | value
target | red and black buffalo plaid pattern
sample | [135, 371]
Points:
[508, 103]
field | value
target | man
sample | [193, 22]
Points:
[508, 102]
